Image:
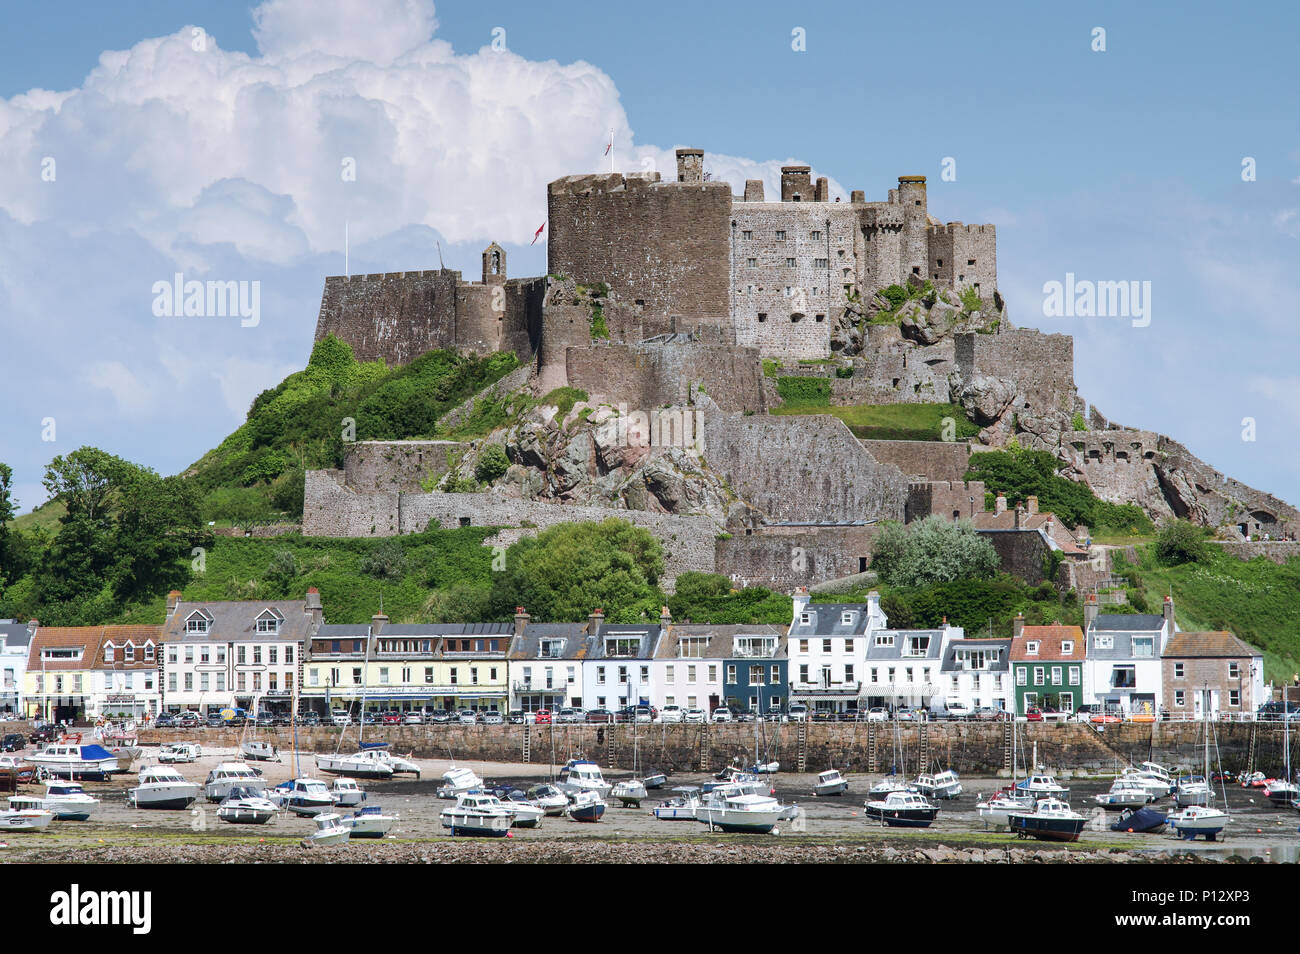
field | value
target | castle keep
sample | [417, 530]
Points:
[680, 256]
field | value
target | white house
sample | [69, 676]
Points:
[15, 642]
[619, 668]
[1122, 665]
[976, 673]
[827, 647]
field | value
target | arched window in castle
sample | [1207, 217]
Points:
[495, 265]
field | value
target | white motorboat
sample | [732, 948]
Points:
[329, 831]
[369, 822]
[373, 761]
[307, 796]
[740, 812]
[1124, 793]
[164, 788]
[477, 815]
[831, 782]
[548, 798]
[583, 775]
[246, 805]
[1050, 820]
[1193, 790]
[68, 801]
[228, 775]
[997, 808]
[683, 807]
[1154, 778]
[1199, 820]
[75, 760]
[347, 793]
[765, 768]
[259, 751]
[891, 783]
[1041, 786]
[458, 781]
[657, 780]
[586, 806]
[902, 810]
[943, 784]
[25, 819]
[629, 792]
[180, 752]
[528, 814]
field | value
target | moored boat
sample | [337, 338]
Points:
[657, 780]
[307, 796]
[68, 800]
[1124, 794]
[582, 775]
[1050, 820]
[259, 751]
[369, 822]
[682, 807]
[1193, 790]
[227, 775]
[997, 808]
[75, 760]
[1143, 820]
[587, 806]
[629, 792]
[1199, 820]
[162, 788]
[457, 781]
[347, 793]
[548, 798]
[25, 819]
[830, 782]
[246, 805]
[943, 784]
[330, 830]
[739, 811]
[902, 810]
[477, 816]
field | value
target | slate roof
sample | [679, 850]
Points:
[950, 654]
[15, 635]
[1049, 649]
[1212, 645]
[577, 643]
[1128, 622]
[895, 652]
[825, 620]
[236, 621]
[722, 639]
[649, 642]
[345, 633]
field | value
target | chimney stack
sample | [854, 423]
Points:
[1090, 612]
[594, 621]
[314, 608]
[1032, 503]
[665, 616]
[1018, 626]
[173, 598]
[690, 165]
[521, 620]
[1020, 517]
[1169, 616]
[1000, 504]
[377, 624]
[800, 600]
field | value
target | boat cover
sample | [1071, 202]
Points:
[92, 753]
[1144, 819]
[374, 745]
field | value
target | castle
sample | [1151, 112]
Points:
[680, 256]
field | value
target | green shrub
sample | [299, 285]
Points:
[1180, 541]
[492, 463]
[804, 392]
[846, 372]
[1078, 422]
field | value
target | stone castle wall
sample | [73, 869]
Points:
[785, 557]
[651, 375]
[945, 498]
[1042, 365]
[932, 460]
[398, 465]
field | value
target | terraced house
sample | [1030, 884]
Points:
[618, 670]
[236, 655]
[1047, 666]
[124, 682]
[1123, 670]
[1207, 675]
[80, 672]
[827, 648]
[546, 664]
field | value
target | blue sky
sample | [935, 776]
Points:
[1116, 165]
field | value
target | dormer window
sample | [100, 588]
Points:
[1031, 647]
[1067, 647]
[148, 652]
[550, 649]
[108, 653]
[846, 618]
[805, 618]
[268, 621]
[198, 622]
[885, 639]
[129, 653]
[1105, 642]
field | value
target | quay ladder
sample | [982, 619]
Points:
[871, 747]
[1008, 750]
[802, 742]
[704, 747]
[1250, 757]
[528, 743]
[609, 745]
[923, 743]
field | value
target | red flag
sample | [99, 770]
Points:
[537, 234]
[609, 146]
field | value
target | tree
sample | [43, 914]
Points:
[7, 514]
[711, 598]
[1181, 541]
[491, 464]
[568, 570]
[934, 551]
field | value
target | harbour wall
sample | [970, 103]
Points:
[968, 748]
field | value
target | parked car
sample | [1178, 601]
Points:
[694, 715]
[189, 719]
[1033, 714]
[265, 720]
[437, 716]
[165, 720]
[543, 717]
[392, 718]
[988, 714]
[340, 717]
[798, 712]
[215, 721]
[467, 717]
[878, 714]
[956, 709]
[671, 714]
[721, 714]
[823, 715]
[490, 717]
[12, 742]
[413, 717]
[570, 716]
[600, 716]
[905, 714]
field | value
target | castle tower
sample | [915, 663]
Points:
[690, 165]
[494, 265]
[796, 184]
[916, 249]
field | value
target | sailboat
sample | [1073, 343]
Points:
[630, 791]
[1282, 792]
[894, 780]
[1201, 819]
[996, 809]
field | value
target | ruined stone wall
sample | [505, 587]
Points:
[650, 375]
[964, 256]
[398, 465]
[521, 330]
[663, 245]
[1274, 551]
[805, 468]
[791, 263]
[899, 371]
[564, 327]
[932, 460]
[1021, 552]
[393, 316]
[1041, 365]
[783, 558]
[960, 499]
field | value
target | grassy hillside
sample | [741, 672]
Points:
[1258, 600]
[256, 474]
[886, 422]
